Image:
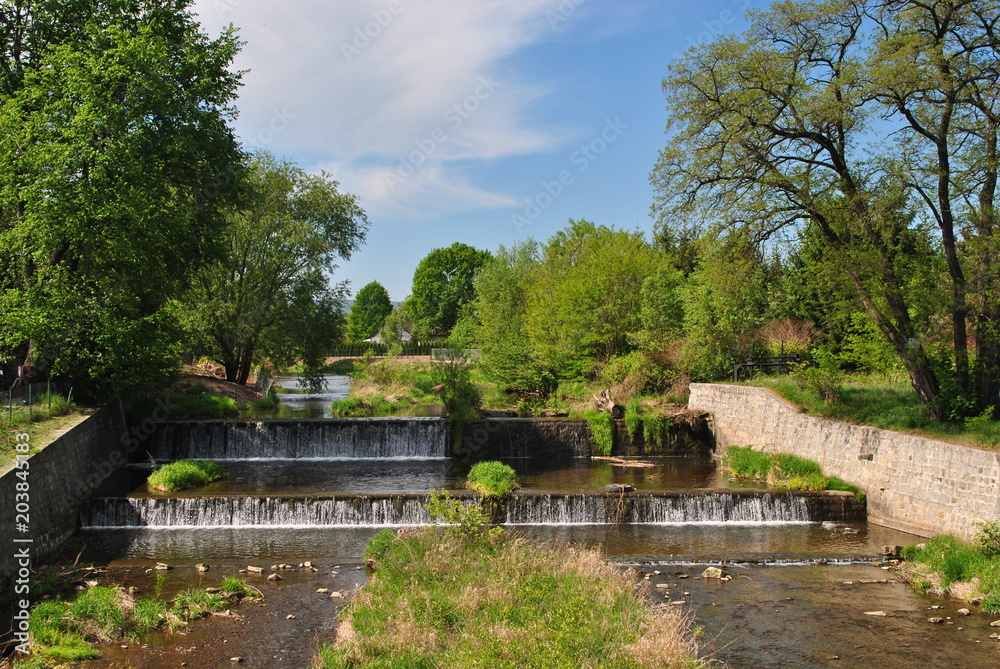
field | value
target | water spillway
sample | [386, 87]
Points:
[521, 509]
[353, 438]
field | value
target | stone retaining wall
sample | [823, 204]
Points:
[914, 484]
[60, 477]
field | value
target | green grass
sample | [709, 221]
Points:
[782, 470]
[232, 586]
[492, 479]
[946, 565]
[185, 474]
[886, 402]
[195, 603]
[602, 431]
[440, 600]
[149, 614]
[203, 405]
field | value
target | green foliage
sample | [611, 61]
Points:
[368, 313]
[442, 284]
[185, 474]
[501, 304]
[233, 586]
[149, 614]
[633, 421]
[823, 378]
[988, 537]
[583, 301]
[492, 479]
[398, 322]
[378, 545]
[205, 405]
[440, 599]
[747, 463]
[271, 297]
[116, 160]
[656, 427]
[787, 466]
[98, 611]
[195, 603]
[602, 431]
[465, 519]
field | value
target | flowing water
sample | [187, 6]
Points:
[318, 490]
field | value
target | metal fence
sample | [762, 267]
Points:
[28, 399]
[358, 349]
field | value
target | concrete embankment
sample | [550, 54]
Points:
[914, 484]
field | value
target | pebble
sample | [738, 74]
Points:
[936, 620]
[201, 567]
[875, 613]
[964, 612]
[323, 591]
[255, 570]
[290, 616]
[336, 594]
[995, 623]
[274, 577]
[662, 585]
[679, 602]
[236, 659]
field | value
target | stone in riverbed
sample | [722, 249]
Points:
[618, 488]
[201, 567]
[964, 612]
[880, 614]
[937, 620]
[274, 577]
[713, 572]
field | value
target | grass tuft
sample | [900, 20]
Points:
[492, 479]
[185, 474]
[443, 600]
[946, 565]
[602, 431]
[782, 470]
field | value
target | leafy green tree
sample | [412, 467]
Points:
[397, 323]
[442, 284]
[584, 300]
[271, 297]
[502, 288]
[775, 129]
[371, 307]
[115, 162]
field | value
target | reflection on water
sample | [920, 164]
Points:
[328, 477]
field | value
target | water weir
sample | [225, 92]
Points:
[524, 508]
[371, 438]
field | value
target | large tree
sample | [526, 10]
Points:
[858, 118]
[368, 313]
[442, 284]
[271, 296]
[584, 301]
[115, 162]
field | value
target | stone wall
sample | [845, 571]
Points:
[60, 477]
[914, 484]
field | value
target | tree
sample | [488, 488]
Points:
[115, 162]
[776, 128]
[502, 288]
[584, 300]
[397, 324]
[442, 284]
[371, 307]
[271, 297]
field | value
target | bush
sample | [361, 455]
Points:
[492, 479]
[988, 537]
[185, 474]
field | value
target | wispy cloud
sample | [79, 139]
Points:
[376, 87]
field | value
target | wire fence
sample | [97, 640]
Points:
[26, 401]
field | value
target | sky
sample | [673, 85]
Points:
[484, 122]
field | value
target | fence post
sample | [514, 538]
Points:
[48, 391]
[29, 403]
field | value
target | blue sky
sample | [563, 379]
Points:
[478, 121]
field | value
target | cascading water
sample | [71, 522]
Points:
[396, 510]
[371, 438]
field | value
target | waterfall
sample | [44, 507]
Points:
[575, 509]
[396, 510]
[371, 438]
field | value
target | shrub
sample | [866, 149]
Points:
[467, 520]
[185, 474]
[492, 479]
[602, 431]
[988, 537]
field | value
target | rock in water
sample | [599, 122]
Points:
[618, 488]
[713, 572]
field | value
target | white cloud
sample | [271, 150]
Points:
[370, 88]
